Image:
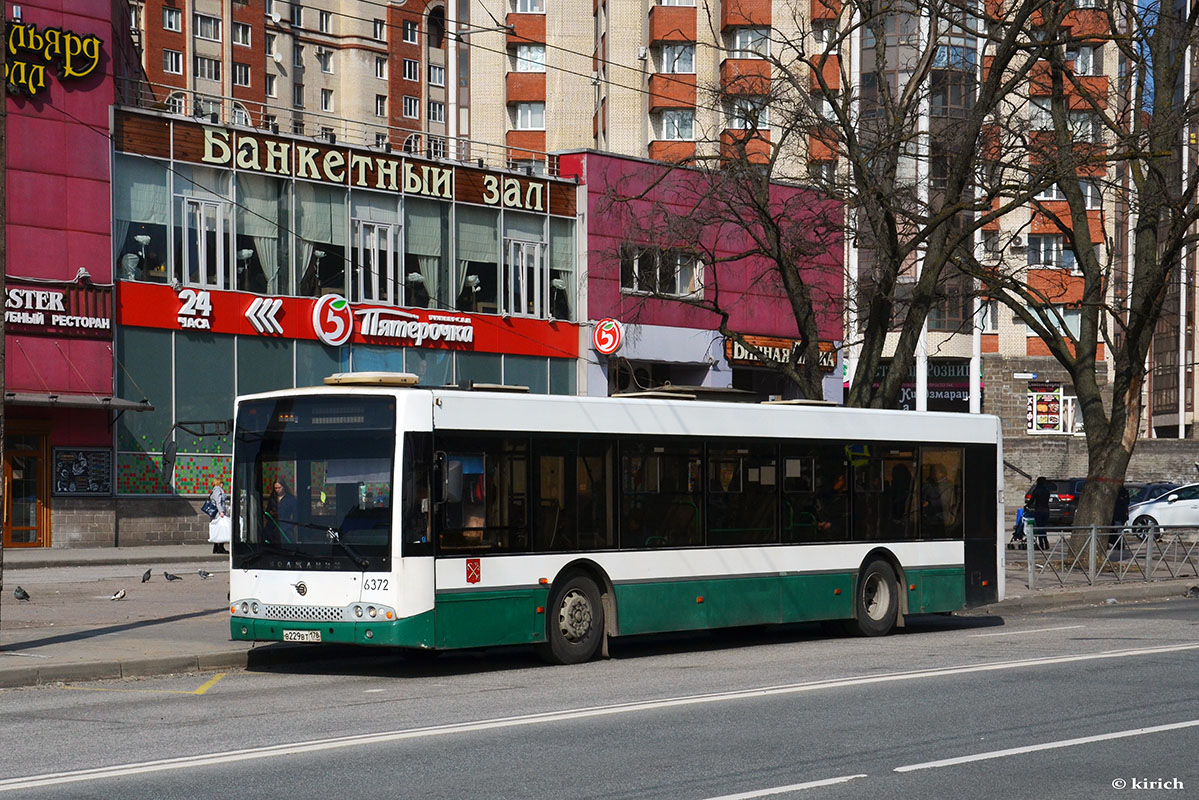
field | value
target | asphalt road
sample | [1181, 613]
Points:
[1062, 705]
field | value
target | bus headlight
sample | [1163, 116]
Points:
[372, 611]
[254, 607]
[245, 608]
[358, 611]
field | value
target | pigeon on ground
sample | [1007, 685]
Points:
[20, 593]
[118, 596]
[204, 574]
[145, 576]
[171, 577]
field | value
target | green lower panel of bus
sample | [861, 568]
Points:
[410, 632]
[485, 618]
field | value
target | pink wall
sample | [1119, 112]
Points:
[58, 197]
[635, 201]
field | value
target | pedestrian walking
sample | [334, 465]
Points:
[1038, 502]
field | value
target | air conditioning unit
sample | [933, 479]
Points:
[642, 53]
[1017, 241]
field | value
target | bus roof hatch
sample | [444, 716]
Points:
[371, 379]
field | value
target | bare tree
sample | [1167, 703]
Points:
[894, 141]
[1105, 146]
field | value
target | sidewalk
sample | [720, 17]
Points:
[70, 630]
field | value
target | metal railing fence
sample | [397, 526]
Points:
[1107, 553]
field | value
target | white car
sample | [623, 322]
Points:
[1176, 507]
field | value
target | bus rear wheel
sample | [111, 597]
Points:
[574, 622]
[876, 602]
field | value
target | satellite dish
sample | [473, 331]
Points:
[278, 58]
[275, 17]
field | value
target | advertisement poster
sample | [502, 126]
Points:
[82, 471]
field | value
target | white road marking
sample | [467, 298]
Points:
[795, 787]
[1032, 630]
[297, 748]
[1037, 748]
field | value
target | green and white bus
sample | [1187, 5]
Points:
[374, 511]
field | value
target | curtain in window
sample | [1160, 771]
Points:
[423, 239]
[261, 202]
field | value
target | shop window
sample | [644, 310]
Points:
[143, 369]
[263, 217]
[316, 361]
[321, 239]
[426, 251]
[203, 227]
[479, 367]
[477, 237]
[203, 384]
[664, 272]
[562, 269]
[263, 364]
[431, 367]
[526, 371]
[375, 249]
[140, 218]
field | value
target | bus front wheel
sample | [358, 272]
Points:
[574, 622]
[877, 600]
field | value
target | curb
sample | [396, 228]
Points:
[1061, 599]
[14, 565]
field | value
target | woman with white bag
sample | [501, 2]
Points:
[220, 527]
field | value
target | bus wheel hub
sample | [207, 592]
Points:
[574, 616]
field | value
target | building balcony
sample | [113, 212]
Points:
[525, 145]
[830, 72]
[745, 13]
[525, 28]
[671, 91]
[525, 87]
[673, 152]
[752, 146]
[825, 9]
[671, 24]
[745, 76]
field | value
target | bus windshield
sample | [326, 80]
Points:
[312, 483]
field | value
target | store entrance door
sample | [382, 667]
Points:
[26, 491]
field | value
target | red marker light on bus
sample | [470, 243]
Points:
[540, 609]
[543, 581]
[911, 587]
[836, 591]
[699, 599]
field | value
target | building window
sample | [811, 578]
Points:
[380, 105]
[411, 70]
[823, 108]
[325, 22]
[677, 125]
[1087, 59]
[381, 140]
[824, 31]
[749, 113]
[297, 127]
[326, 99]
[530, 6]
[209, 68]
[297, 98]
[678, 58]
[822, 172]
[411, 107]
[1040, 114]
[989, 316]
[436, 75]
[327, 134]
[241, 74]
[208, 27]
[671, 273]
[530, 116]
[530, 58]
[1050, 251]
[297, 55]
[270, 122]
[172, 62]
[297, 15]
[380, 32]
[269, 43]
[1058, 318]
[1085, 127]
[1091, 194]
[381, 67]
[240, 116]
[436, 148]
[241, 34]
[750, 43]
[271, 89]
[325, 59]
[172, 19]
[409, 32]
[436, 111]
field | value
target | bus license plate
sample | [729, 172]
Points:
[301, 636]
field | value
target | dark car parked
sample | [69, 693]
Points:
[1063, 500]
